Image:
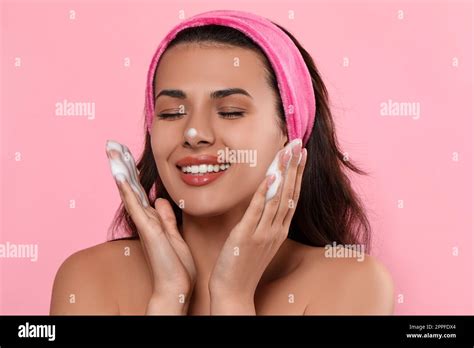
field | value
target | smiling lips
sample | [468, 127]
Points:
[201, 170]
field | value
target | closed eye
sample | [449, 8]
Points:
[228, 115]
[170, 116]
[235, 114]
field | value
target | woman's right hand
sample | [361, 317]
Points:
[167, 254]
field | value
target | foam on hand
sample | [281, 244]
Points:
[275, 169]
[122, 166]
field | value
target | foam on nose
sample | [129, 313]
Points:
[275, 169]
[192, 132]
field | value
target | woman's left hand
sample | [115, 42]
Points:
[254, 241]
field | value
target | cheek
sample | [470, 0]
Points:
[260, 143]
[164, 137]
[254, 156]
[162, 145]
[260, 139]
[257, 129]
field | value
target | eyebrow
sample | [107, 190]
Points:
[222, 93]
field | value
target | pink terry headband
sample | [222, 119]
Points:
[294, 80]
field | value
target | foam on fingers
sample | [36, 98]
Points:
[275, 169]
[122, 166]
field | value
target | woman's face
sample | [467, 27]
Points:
[253, 137]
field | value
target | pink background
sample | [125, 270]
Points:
[409, 60]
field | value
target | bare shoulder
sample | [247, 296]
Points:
[345, 282]
[85, 281]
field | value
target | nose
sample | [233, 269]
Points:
[198, 132]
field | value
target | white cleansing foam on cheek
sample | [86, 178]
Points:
[275, 169]
[123, 168]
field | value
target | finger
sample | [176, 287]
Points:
[254, 211]
[119, 164]
[131, 201]
[130, 162]
[142, 217]
[272, 205]
[121, 160]
[296, 194]
[167, 217]
[289, 177]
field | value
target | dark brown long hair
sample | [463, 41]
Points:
[328, 209]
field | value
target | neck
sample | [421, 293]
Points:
[205, 237]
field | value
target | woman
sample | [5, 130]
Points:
[221, 236]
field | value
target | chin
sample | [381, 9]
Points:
[202, 209]
[211, 204]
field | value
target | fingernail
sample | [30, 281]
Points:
[285, 158]
[270, 180]
[297, 148]
[120, 177]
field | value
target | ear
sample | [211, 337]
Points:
[284, 140]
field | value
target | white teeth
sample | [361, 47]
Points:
[204, 168]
